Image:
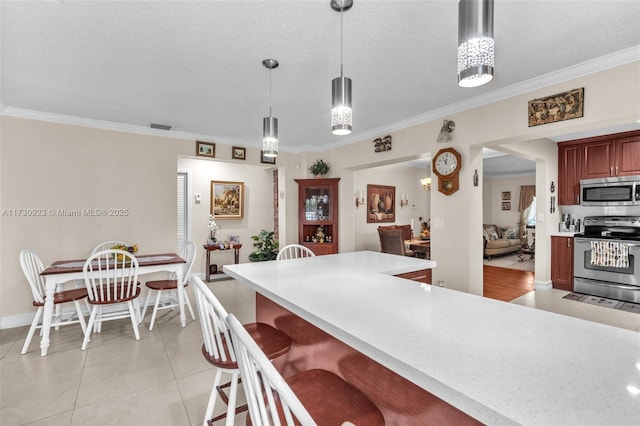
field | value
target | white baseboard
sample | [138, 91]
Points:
[543, 285]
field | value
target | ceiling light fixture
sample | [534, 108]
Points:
[270, 124]
[341, 113]
[448, 126]
[475, 42]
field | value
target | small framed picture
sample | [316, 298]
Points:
[506, 205]
[506, 196]
[205, 149]
[267, 160]
[238, 153]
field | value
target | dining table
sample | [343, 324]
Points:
[62, 271]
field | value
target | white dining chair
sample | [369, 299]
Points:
[169, 287]
[32, 267]
[111, 277]
[294, 251]
[218, 351]
[107, 245]
[298, 399]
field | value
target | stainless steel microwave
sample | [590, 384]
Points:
[615, 191]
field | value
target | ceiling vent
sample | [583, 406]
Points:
[160, 126]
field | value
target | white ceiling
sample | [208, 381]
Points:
[197, 65]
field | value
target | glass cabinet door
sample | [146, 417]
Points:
[317, 202]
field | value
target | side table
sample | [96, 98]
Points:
[209, 249]
[523, 252]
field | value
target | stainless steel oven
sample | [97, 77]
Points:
[607, 258]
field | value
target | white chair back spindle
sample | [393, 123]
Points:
[294, 251]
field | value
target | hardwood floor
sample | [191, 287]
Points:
[506, 284]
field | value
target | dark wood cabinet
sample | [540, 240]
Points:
[562, 263]
[568, 174]
[598, 157]
[318, 214]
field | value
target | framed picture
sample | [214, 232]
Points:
[227, 199]
[238, 153]
[267, 160]
[381, 203]
[205, 149]
[506, 205]
[506, 196]
[559, 107]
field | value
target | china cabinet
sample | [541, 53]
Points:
[318, 214]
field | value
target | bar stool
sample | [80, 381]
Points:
[218, 351]
[310, 397]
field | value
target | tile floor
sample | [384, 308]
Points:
[162, 379]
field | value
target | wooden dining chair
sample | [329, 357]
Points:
[392, 241]
[32, 267]
[294, 251]
[170, 287]
[111, 277]
[310, 397]
[218, 351]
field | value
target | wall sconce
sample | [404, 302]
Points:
[448, 126]
[404, 199]
[359, 201]
[426, 183]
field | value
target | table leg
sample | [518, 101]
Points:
[181, 301]
[46, 316]
[207, 266]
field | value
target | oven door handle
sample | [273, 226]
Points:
[588, 240]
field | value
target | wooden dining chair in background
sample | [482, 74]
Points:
[111, 277]
[170, 287]
[294, 251]
[392, 241]
[31, 267]
[308, 398]
[218, 351]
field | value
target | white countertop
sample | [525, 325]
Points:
[562, 234]
[501, 363]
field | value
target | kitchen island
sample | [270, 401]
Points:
[497, 362]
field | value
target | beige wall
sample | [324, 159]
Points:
[492, 203]
[45, 166]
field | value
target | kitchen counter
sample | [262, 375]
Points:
[563, 234]
[500, 363]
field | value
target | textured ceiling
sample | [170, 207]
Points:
[197, 65]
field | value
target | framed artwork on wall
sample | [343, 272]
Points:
[238, 153]
[381, 202]
[205, 149]
[506, 205]
[506, 196]
[227, 199]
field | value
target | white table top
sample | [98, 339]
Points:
[501, 363]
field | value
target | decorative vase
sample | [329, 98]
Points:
[388, 202]
[211, 241]
[375, 201]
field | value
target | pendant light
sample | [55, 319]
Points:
[341, 114]
[475, 42]
[270, 124]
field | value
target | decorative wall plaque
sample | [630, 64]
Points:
[560, 107]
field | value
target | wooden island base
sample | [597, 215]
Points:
[401, 402]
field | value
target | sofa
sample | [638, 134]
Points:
[499, 241]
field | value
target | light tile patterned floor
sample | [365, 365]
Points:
[162, 379]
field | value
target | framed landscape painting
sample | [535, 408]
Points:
[205, 149]
[227, 199]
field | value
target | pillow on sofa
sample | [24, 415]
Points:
[509, 233]
[491, 233]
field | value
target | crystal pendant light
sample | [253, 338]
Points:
[270, 124]
[475, 42]
[341, 116]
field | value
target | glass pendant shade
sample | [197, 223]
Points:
[270, 136]
[341, 117]
[475, 42]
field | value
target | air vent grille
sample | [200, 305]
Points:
[160, 126]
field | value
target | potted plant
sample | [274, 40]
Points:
[266, 247]
[319, 168]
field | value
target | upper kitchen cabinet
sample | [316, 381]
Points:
[611, 157]
[599, 157]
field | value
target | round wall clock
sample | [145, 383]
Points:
[446, 165]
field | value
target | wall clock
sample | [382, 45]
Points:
[446, 165]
